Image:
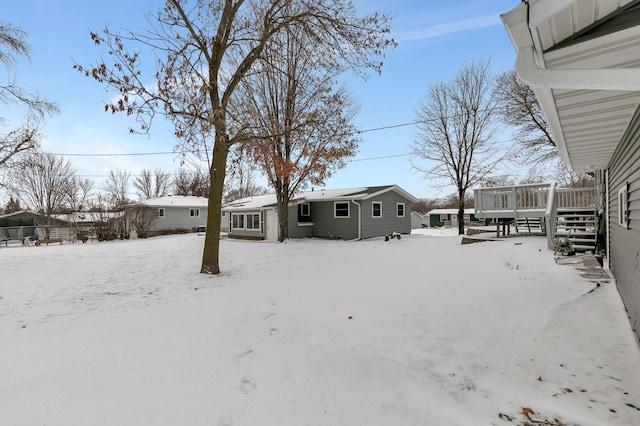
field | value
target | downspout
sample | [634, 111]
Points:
[607, 219]
[627, 79]
[359, 220]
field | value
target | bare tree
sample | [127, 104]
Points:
[241, 181]
[455, 131]
[518, 107]
[205, 49]
[301, 120]
[45, 183]
[26, 135]
[141, 218]
[194, 183]
[117, 188]
[152, 184]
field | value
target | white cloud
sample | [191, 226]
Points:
[435, 31]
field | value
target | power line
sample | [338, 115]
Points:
[374, 129]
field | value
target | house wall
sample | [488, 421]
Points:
[625, 243]
[389, 222]
[417, 219]
[325, 225]
[224, 222]
[178, 218]
[295, 230]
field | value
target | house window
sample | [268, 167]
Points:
[341, 209]
[376, 209]
[623, 206]
[161, 212]
[237, 221]
[305, 210]
[253, 221]
[194, 212]
[400, 209]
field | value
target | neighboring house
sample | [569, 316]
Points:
[448, 217]
[418, 220]
[583, 62]
[348, 214]
[27, 224]
[176, 212]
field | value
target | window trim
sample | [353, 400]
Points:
[335, 211]
[194, 212]
[398, 209]
[161, 212]
[247, 222]
[623, 206]
[373, 209]
[242, 220]
[302, 209]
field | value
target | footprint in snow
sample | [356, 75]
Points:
[244, 355]
[246, 386]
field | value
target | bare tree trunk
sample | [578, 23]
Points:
[211, 252]
[461, 195]
[282, 193]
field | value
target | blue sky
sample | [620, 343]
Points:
[435, 39]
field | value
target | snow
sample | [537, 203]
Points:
[416, 331]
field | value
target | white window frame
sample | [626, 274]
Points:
[304, 206]
[335, 207]
[241, 220]
[623, 206]
[398, 209]
[193, 212]
[249, 222]
[373, 209]
[161, 212]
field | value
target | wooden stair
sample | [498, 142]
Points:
[579, 224]
[530, 225]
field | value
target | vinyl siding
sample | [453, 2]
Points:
[389, 222]
[624, 256]
[178, 218]
[296, 231]
[325, 225]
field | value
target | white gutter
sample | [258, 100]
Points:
[359, 219]
[578, 79]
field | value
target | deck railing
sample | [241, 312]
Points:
[512, 201]
[573, 198]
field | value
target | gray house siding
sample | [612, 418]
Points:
[295, 229]
[624, 169]
[179, 218]
[326, 226]
[389, 222]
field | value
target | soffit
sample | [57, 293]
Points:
[592, 122]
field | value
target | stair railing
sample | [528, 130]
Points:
[551, 215]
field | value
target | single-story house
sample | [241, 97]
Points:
[353, 213]
[449, 217]
[179, 212]
[582, 60]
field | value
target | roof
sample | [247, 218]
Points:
[26, 218]
[269, 200]
[582, 61]
[177, 201]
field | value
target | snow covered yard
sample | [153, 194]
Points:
[417, 331]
